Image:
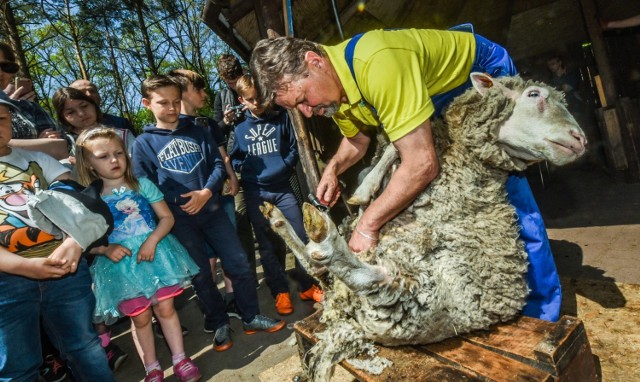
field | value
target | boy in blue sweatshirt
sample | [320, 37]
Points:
[183, 161]
[265, 153]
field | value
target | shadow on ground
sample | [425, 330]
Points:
[583, 195]
[247, 349]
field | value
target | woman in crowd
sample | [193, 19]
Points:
[78, 112]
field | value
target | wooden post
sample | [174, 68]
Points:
[615, 117]
[307, 155]
[589, 12]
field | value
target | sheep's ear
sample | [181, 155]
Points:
[481, 82]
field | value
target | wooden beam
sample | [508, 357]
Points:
[239, 10]
[344, 15]
[269, 15]
[211, 14]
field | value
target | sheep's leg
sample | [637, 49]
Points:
[281, 226]
[372, 182]
[328, 248]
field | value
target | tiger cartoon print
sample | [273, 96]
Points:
[17, 231]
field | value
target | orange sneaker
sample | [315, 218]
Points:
[283, 304]
[314, 293]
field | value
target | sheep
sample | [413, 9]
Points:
[452, 262]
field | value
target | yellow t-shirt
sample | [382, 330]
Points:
[397, 73]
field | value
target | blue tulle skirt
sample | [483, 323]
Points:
[126, 279]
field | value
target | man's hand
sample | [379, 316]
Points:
[349, 152]
[147, 251]
[68, 253]
[116, 252]
[362, 240]
[16, 94]
[197, 201]
[328, 190]
[229, 116]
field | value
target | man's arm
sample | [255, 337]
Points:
[349, 152]
[418, 167]
[56, 148]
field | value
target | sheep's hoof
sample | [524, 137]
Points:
[359, 200]
[314, 223]
[266, 209]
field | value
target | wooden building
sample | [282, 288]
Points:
[609, 62]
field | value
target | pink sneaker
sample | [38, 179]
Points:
[154, 376]
[186, 371]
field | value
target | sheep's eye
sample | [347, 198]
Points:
[533, 94]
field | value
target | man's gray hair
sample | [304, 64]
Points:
[275, 59]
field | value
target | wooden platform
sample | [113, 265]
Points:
[525, 349]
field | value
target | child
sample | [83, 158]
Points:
[78, 112]
[42, 276]
[194, 98]
[184, 162]
[265, 153]
[142, 266]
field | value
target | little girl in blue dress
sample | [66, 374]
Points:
[143, 266]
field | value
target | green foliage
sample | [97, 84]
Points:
[109, 38]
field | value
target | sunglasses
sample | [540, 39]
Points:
[9, 67]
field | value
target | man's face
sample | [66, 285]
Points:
[232, 83]
[195, 98]
[313, 93]
[8, 71]
[5, 126]
[88, 88]
[164, 103]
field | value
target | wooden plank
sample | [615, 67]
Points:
[612, 139]
[525, 349]
[484, 362]
[535, 342]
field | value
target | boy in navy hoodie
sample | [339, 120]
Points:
[265, 153]
[183, 160]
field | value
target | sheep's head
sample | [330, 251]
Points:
[540, 126]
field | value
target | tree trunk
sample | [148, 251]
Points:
[145, 38]
[122, 99]
[11, 27]
[75, 39]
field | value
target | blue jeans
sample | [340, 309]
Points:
[195, 232]
[229, 206]
[66, 306]
[545, 297]
[281, 196]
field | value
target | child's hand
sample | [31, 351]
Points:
[147, 250]
[197, 201]
[50, 133]
[69, 254]
[42, 268]
[116, 252]
[234, 186]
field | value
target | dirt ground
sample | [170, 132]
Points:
[593, 222]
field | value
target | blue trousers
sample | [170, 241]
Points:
[66, 307]
[281, 196]
[214, 229]
[545, 297]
